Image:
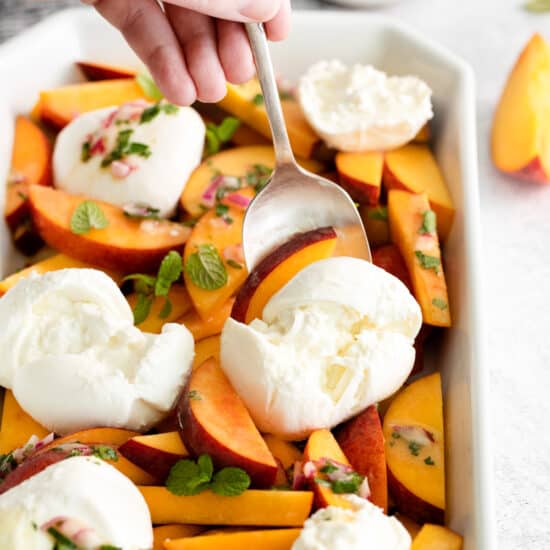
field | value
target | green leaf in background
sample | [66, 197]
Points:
[88, 215]
[150, 89]
[205, 268]
[537, 6]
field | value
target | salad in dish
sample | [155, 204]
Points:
[157, 395]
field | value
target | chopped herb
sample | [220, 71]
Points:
[22, 196]
[85, 154]
[439, 303]
[169, 272]
[285, 95]
[428, 262]
[537, 6]
[429, 461]
[194, 395]
[428, 226]
[217, 135]
[380, 213]
[62, 542]
[328, 468]
[147, 84]
[191, 222]
[414, 447]
[228, 220]
[221, 209]
[349, 485]
[142, 212]
[321, 481]
[166, 309]
[258, 176]
[206, 269]
[105, 453]
[234, 264]
[86, 216]
[125, 147]
[75, 452]
[169, 108]
[151, 112]
[395, 435]
[258, 99]
[140, 149]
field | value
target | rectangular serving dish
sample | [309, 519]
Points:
[43, 56]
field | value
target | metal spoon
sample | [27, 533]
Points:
[294, 200]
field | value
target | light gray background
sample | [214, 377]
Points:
[516, 237]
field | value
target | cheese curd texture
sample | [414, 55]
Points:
[80, 488]
[176, 143]
[365, 527]
[359, 108]
[74, 360]
[336, 339]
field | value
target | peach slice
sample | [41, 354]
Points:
[361, 175]
[205, 349]
[422, 254]
[278, 267]
[253, 507]
[165, 533]
[424, 134]
[414, 168]
[60, 105]
[181, 304]
[156, 453]
[435, 537]
[53, 263]
[266, 539]
[94, 70]
[126, 244]
[362, 441]
[225, 237]
[245, 101]
[112, 437]
[213, 420]
[30, 164]
[17, 426]
[239, 162]
[375, 220]
[286, 454]
[322, 445]
[415, 450]
[389, 258]
[212, 326]
[411, 526]
[521, 127]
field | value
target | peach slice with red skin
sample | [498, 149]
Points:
[211, 326]
[436, 537]
[520, 140]
[375, 220]
[93, 70]
[155, 453]
[415, 450]
[362, 441]
[360, 174]
[389, 258]
[213, 420]
[278, 267]
[205, 349]
[126, 244]
[285, 453]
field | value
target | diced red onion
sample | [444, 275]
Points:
[298, 478]
[98, 147]
[309, 469]
[364, 489]
[234, 252]
[209, 195]
[239, 200]
[415, 433]
[108, 122]
[120, 169]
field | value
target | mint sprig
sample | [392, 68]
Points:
[206, 268]
[217, 135]
[88, 215]
[188, 477]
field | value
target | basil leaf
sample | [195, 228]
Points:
[88, 215]
[142, 308]
[148, 86]
[428, 262]
[428, 226]
[206, 269]
[186, 478]
[169, 272]
[230, 482]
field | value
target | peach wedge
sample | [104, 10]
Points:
[435, 537]
[126, 244]
[94, 70]
[360, 174]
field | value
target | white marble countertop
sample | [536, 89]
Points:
[516, 234]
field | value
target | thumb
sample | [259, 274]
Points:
[233, 10]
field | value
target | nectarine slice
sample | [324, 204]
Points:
[17, 426]
[213, 420]
[245, 101]
[126, 244]
[415, 450]
[361, 175]
[521, 127]
[30, 164]
[224, 235]
[267, 539]
[389, 258]
[164, 533]
[205, 349]
[94, 70]
[212, 326]
[60, 105]
[261, 508]
[322, 445]
[411, 226]
[155, 453]
[414, 168]
[362, 441]
[278, 267]
[54, 263]
[436, 537]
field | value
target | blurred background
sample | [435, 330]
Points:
[489, 34]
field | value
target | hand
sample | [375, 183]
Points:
[192, 47]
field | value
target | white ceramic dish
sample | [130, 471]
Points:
[42, 57]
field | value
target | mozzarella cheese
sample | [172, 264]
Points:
[85, 489]
[365, 527]
[74, 359]
[359, 108]
[336, 339]
[175, 142]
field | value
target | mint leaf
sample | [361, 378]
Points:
[105, 453]
[140, 149]
[206, 466]
[149, 113]
[142, 308]
[147, 280]
[428, 262]
[205, 268]
[166, 309]
[169, 272]
[88, 215]
[235, 265]
[428, 226]
[439, 303]
[213, 143]
[230, 482]
[186, 478]
[258, 99]
[194, 395]
[380, 213]
[350, 484]
[148, 86]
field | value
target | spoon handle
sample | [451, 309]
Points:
[264, 68]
